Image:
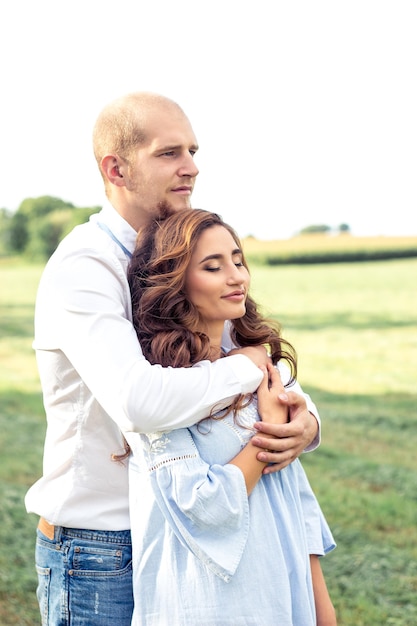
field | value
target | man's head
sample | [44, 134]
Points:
[144, 146]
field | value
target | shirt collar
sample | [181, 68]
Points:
[118, 225]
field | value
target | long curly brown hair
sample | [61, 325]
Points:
[167, 323]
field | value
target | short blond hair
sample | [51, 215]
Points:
[121, 125]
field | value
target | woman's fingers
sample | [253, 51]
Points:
[275, 382]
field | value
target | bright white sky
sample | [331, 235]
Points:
[305, 111]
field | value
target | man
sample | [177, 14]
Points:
[95, 380]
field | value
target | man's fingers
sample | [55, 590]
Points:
[290, 398]
[277, 460]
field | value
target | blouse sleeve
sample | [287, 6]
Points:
[320, 540]
[205, 505]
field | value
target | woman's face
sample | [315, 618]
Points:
[216, 280]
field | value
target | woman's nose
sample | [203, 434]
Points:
[235, 277]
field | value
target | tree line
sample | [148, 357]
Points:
[38, 225]
[36, 228]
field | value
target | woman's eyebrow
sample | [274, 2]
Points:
[218, 255]
[210, 257]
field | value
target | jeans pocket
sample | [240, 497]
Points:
[42, 592]
[102, 595]
[97, 559]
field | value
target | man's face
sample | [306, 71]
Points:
[162, 172]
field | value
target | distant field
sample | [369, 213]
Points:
[320, 242]
[355, 329]
[319, 248]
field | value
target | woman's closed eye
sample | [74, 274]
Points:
[219, 267]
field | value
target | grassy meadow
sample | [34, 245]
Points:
[355, 329]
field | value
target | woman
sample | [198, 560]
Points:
[215, 540]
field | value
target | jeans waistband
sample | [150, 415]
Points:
[106, 536]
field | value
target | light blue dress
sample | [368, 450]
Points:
[206, 554]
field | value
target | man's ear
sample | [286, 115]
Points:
[113, 167]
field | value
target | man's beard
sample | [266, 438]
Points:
[164, 209]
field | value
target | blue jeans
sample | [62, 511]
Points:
[84, 577]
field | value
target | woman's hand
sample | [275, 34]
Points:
[271, 409]
[289, 438]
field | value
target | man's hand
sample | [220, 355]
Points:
[289, 439]
[257, 354]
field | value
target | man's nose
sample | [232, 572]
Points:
[188, 166]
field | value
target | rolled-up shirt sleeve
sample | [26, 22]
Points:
[296, 387]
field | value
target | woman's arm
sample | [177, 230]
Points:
[272, 410]
[292, 438]
[325, 613]
[301, 434]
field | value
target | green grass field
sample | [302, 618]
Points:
[355, 329]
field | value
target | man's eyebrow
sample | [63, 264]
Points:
[178, 146]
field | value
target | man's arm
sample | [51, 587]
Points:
[83, 311]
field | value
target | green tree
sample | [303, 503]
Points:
[18, 232]
[5, 218]
[39, 224]
[46, 232]
[344, 228]
[315, 228]
[30, 210]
